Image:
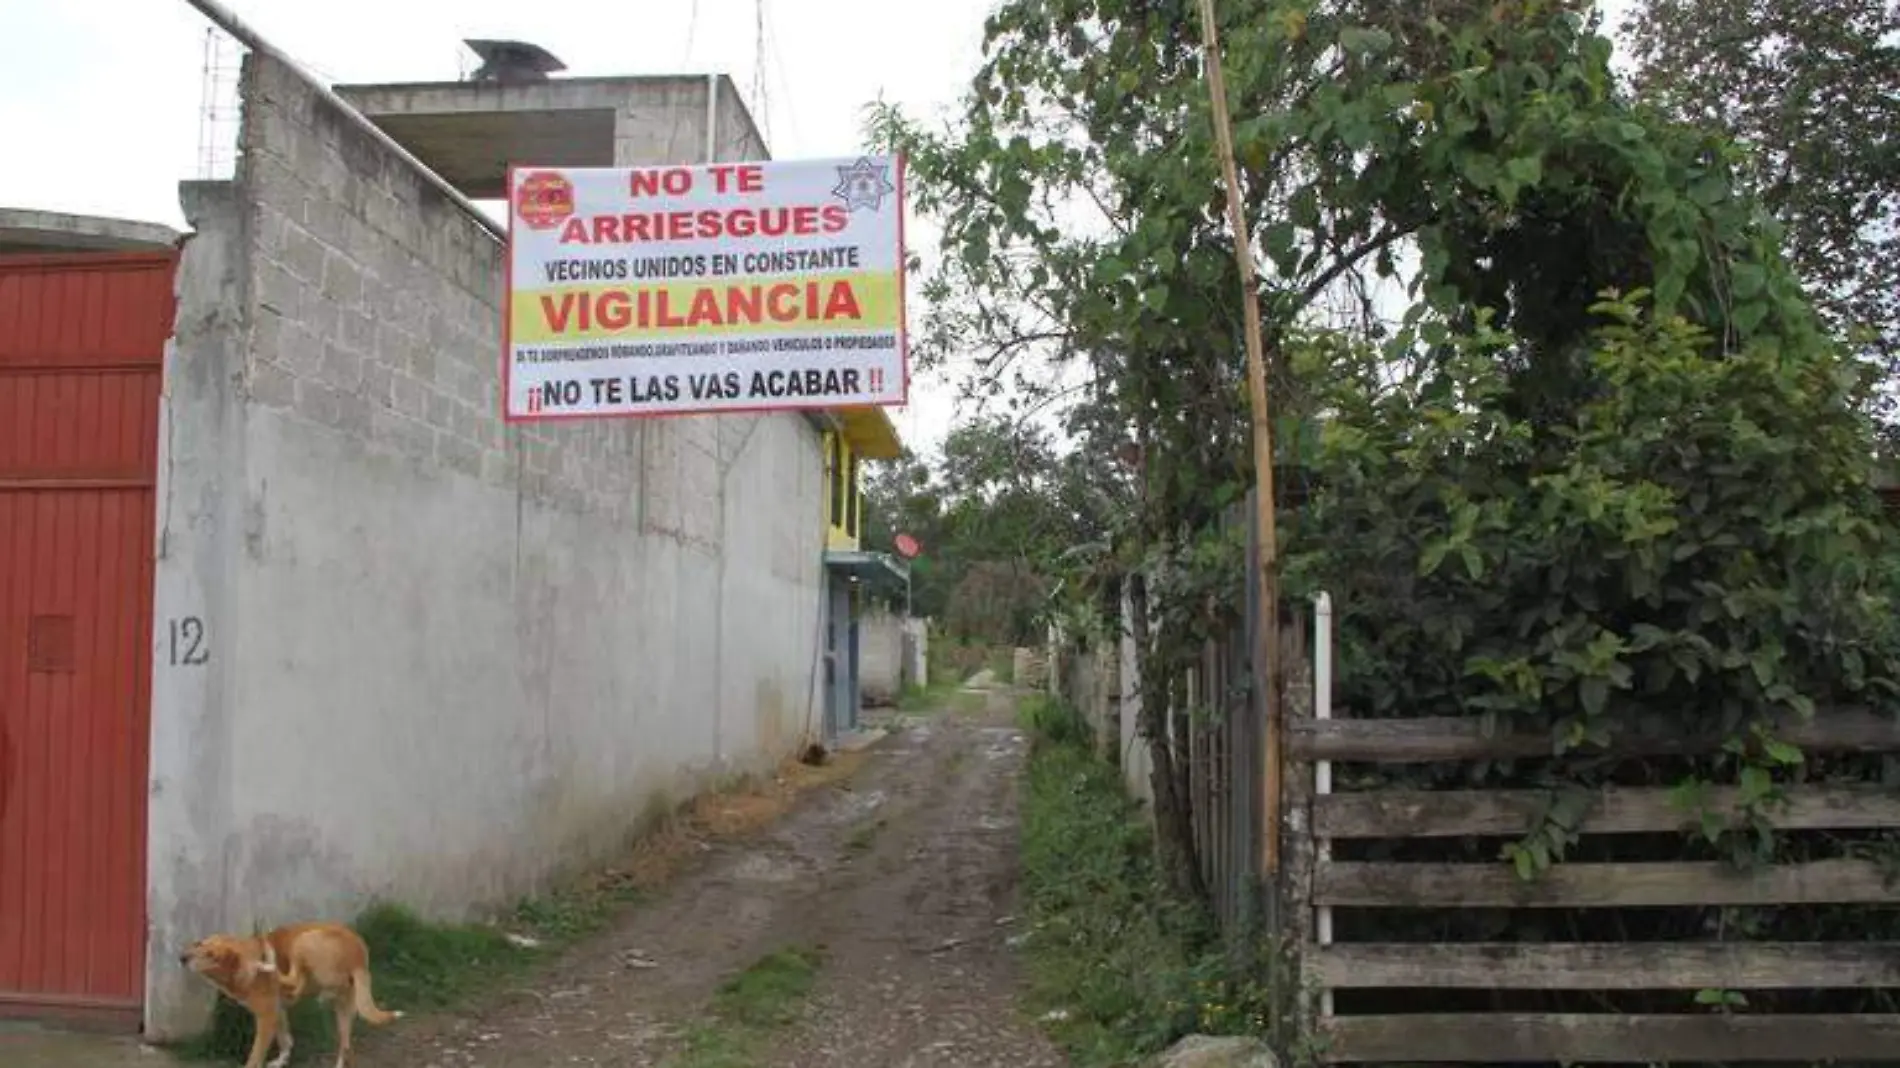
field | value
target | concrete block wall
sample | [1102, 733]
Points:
[1085, 676]
[880, 656]
[1137, 762]
[916, 647]
[448, 659]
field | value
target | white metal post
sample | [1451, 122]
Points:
[1323, 769]
[712, 118]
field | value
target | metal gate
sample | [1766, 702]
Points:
[82, 341]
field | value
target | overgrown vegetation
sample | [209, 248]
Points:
[1812, 87]
[1589, 461]
[915, 698]
[749, 1007]
[995, 513]
[1694, 550]
[1119, 967]
[952, 661]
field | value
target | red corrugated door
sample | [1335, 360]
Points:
[82, 341]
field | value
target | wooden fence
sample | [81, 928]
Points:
[1226, 747]
[1299, 903]
[1317, 886]
[1222, 724]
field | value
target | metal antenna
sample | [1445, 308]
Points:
[758, 71]
[217, 107]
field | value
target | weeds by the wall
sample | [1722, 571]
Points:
[1117, 970]
[1053, 722]
[915, 698]
[417, 966]
[420, 965]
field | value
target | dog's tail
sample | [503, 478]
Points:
[366, 1002]
[289, 980]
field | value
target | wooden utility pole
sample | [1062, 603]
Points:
[1266, 653]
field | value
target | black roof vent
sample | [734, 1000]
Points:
[513, 62]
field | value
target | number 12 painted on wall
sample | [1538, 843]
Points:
[188, 647]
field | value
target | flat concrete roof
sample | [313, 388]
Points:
[871, 432]
[469, 132]
[23, 230]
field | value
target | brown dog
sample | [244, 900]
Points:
[264, 973]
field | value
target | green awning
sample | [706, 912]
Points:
[876, 570]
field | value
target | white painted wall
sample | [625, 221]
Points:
[916, 648]
[1137, 762]
[447, 660]
[880, 656]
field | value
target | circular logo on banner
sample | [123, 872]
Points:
[543, 199]
[907, 547]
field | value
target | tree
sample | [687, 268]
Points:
[1001, 514]
[1812, 88]
[1695, 549]
[999, 602]
[1485, 158]
[1083, 222]
[900, 497]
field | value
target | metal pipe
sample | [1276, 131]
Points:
[712, 118]
[227, 21]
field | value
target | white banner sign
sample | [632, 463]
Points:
[722, 287]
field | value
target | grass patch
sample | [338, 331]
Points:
[750, 1006]
[1117, 968]
[1002, 661]
[1053, 722]
[421, 966]
[917, 698]
[968, 703]
[863, 835]
[417, 966]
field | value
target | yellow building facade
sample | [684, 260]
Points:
[853, 437]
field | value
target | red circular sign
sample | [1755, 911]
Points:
[907, 546]
[543, 199]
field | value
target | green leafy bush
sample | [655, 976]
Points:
[1696, 550]
[1053, 722]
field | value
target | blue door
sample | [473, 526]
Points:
[840, 663]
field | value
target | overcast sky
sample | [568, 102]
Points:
[103, 100]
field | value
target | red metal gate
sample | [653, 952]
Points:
[82, 341]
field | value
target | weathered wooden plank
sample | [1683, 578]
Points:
[1416, 741]
[1618, 810]
[1606, 966]
[1495, 885]
[1592, 1038]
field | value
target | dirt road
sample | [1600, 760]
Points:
[900, 882]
